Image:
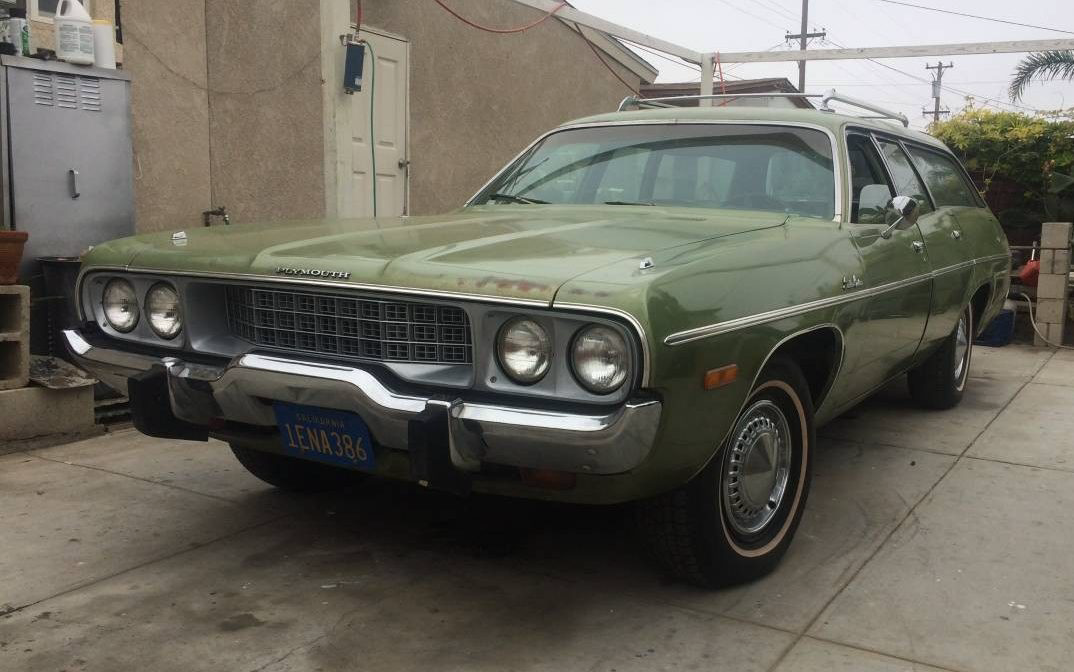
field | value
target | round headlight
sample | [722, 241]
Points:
[600, 359]
[120, 305]
[524, 350]
[162, 310]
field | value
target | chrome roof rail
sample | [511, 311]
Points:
[831, 95]
[634, 101]
[825, 98]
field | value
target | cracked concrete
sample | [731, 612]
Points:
[931, 541]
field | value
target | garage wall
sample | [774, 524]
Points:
[265, 107]
[164, 50]
[477, 98]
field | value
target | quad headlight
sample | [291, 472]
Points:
[162, 310]
[120, 305]
[524, 350]
[600, 359]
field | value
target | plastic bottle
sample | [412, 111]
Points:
[74, 33]
[19, 31]
[104, 44]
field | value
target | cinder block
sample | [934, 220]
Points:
[1060, 262]
[1055, 235]
[1050, 311]
[31, 412]
[14, 336]
[1047, 260]
[1052, 286]
[1054, 333]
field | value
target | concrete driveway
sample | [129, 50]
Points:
[930, 539]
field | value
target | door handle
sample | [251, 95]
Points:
[956, 234]
[73, 179]
[918, 246]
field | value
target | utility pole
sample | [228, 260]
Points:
[803, 41]
[937, 80]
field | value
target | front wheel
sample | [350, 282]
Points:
[939, 381]
[735, 520]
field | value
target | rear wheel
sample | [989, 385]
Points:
[292, 473]
[735, 520]
[940, 380]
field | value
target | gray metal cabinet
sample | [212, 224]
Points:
[67, 145]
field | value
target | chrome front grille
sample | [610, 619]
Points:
[350, 327]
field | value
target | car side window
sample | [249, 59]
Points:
[870, 192]
[907, 183]
[945, 179]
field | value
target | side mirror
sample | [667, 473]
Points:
[906, 206]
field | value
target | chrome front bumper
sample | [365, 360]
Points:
[608, 443]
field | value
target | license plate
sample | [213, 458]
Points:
[325, 435]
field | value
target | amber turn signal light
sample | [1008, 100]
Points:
[547, 478]
[725, 375]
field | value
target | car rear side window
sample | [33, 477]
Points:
[944, 178]
[907, 183]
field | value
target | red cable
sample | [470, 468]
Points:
[358, 17]
[723, 87]
[501, 31]
[610, 69]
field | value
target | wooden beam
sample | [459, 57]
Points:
[568, 13]
[963, 49]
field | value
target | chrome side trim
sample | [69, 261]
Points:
[836, 168]
[680, 337]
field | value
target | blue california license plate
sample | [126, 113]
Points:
[325, 435]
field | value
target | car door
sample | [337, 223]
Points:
[895, 283]
[948, 239]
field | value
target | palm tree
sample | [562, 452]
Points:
[1045, 65]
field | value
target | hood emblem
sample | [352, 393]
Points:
[312, 272]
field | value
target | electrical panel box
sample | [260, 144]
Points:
[352, 68]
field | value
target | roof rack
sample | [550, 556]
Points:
[825, 98]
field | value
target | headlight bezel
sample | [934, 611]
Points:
[549, 355]
[163, 286]
[624, 373]
[133, 303]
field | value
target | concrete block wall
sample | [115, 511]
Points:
[14, 336]
[1053, 281]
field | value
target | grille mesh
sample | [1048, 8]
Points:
[349, 327]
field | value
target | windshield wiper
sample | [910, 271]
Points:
[518, 199]
[628, 203]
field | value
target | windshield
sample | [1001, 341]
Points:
[747, 167]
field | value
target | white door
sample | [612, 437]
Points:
[379, 147]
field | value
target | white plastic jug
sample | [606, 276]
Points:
[74, 33]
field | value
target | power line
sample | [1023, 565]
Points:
[750, 14]
[776, 9]
[976, 16]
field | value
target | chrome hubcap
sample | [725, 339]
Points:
[757, 467]
[962, 347]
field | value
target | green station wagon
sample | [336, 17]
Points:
[657, 306]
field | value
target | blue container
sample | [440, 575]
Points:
[999, 332]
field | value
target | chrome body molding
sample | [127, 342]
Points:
[707, 331]
[606, 441]
[838, 178]
[294, 280]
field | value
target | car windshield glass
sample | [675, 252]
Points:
[747, 167]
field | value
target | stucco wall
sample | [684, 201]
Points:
[165, 53]
[477, 98]
[265, 107]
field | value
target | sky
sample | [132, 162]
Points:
[759, 25]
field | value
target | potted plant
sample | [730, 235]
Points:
[11, 245]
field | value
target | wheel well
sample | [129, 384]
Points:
[980, 303]
[817, 353]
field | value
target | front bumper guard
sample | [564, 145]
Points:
[604, 443]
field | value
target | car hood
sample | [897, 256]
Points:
[504, 251]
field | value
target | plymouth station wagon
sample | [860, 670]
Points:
[657, 306]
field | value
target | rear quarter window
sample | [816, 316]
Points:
[944, 178]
